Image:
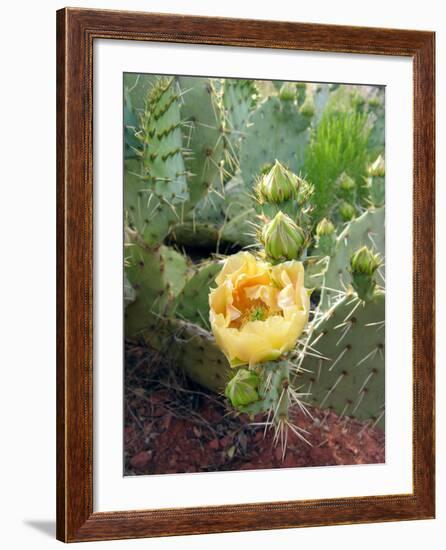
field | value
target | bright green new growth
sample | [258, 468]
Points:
[338, 144]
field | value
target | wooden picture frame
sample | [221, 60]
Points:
[77, 29]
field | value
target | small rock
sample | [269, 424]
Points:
[141, 460]
[214, 444]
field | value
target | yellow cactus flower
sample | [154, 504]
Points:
[258, 311]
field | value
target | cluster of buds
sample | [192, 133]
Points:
[326, 237]
[363, 266]
[241, 390]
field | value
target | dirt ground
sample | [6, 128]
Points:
[172, 426]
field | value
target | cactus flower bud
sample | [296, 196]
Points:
[378, 168]
[346, 183]
[326, 237]
[347, 211]
[365, 261]
[307, 108]
[278, 185]
[364, 264]
[288, 91]
[241, 390]
[325, 227]
[282, 238]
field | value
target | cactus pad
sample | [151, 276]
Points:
[192, 303]
[277, 131]
[351, 336]
[367, 230]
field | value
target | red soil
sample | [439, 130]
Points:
[173, 428]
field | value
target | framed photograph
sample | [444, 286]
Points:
[245, 275]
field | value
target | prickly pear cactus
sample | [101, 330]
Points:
[346, 373]
[197, 150]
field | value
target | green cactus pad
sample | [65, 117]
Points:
[218, 219]
[192, 303]
[161, 135]
[350, 381]
[200, 358]
[157, 276]
[277, 131]
[367, 230]
[201, 112]
[132, 144]
[238, 102]
[150, 216]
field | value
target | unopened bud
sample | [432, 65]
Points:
[365, 261]
[326, 237]
[307, 109]
[325, 227]
[378, 168]
[278, 185]
[288, 91]
[241, 390]
[283, 239]
[347, 211]
[346, 183]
